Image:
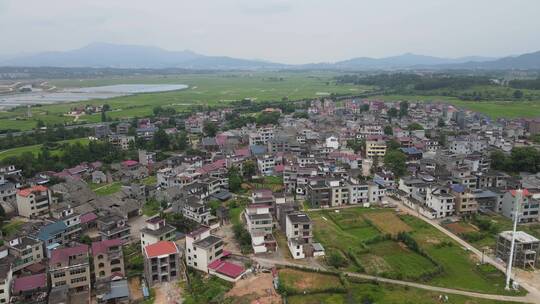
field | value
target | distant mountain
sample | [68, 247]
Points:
[530, 61]
[407, 60]
[102, 55]
[106, 55]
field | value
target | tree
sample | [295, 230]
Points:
[396, 161]
[388, 130]
[403, 108]
[210, 129]
[364, 108]
[415, 126]
[161, 140]
[103, 116]
[355, 144]
[235, 180]
[441, 123]
[393, 112]
[518, 94]
[298, 115]
[249, 169]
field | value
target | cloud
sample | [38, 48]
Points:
[290, 31]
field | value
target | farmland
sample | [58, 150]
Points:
[204, 89]
[366, 238]
[34, 149]
[315, 288]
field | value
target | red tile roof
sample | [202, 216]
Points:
[63, 254]
[129, 163]
[88, 217]
[30, 282]
[525, 193]
[160, 248]
[27, 191]
[231, 270]
[103, 246]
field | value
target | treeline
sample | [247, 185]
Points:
[40, 137]
[403, 81]
[70, 155]
[531, 84]
[522, 159]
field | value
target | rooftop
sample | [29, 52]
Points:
[31, 282]
[521, 236]
[64, 254]
[160, 248]
[27, 191]
[103, 246]
[207, 241]
[299, 218]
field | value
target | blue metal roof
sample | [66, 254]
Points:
[49, 231]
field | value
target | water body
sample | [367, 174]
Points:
[38, 96]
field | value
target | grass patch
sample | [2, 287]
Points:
[387, 222]
[150, 180]
[35, 149]
[11, 228]
[108, 189]
[300, 281]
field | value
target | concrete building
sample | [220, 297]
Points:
[203, 248]
[299, 232]
[259, 225]
[113, 227]
[6, 275]
[526, 248]
[528, 209]
[70, 266]
[26, 250]
[156, 230]
[108, 259]
[161, 262]
[375, 147]
[441, 200]
[34, 201]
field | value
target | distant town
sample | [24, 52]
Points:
[274, 204]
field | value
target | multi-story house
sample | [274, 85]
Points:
[203, 248]
[526, 249]
[161, 262]
[108, 259]
[194, 209]
[441, 200]
[528, 208]
[259, 225]
[113, 227]
[318, 193]
[34, 201]
[465, 200]
[266, 164]
[156, 230]
[6, 275]
[72, 220]
[299, 232]
[26, 250]
[375, 147]
[70, 266]
[52, 235]
[261, 136]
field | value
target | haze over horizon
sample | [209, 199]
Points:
[277, 30]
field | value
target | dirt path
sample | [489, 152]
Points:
[168, 293]
[256, 289]
[530, 298]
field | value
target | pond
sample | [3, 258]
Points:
[38, 96]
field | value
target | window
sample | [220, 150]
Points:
[59, 274]
[77, 271]
[100, 257]
[101, 265]
[77, 280]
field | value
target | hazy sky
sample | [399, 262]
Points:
[296, 31]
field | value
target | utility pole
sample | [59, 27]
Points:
[518, 198]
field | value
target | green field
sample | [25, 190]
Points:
[494, 109]
[357, 234]
[204, 89]
[108, 189]
[317, 288]
[36, 148]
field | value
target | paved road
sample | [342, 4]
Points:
[523, 299]
[533, 287]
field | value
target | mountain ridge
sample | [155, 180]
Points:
[108, 55]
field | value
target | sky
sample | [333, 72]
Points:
[295, 31]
